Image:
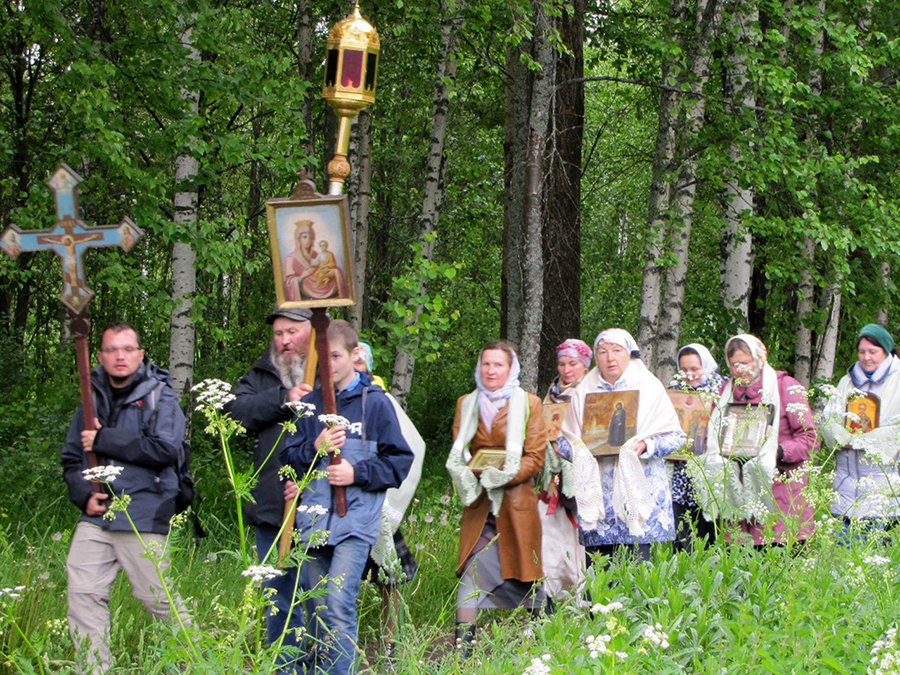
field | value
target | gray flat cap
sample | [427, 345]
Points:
[292, 314]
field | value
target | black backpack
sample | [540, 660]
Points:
[187, 489]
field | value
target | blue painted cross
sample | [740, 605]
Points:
[70, 238]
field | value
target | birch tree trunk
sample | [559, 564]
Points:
[803, 352]
[737, 241]
[709, 14]
[657, 216]
[360, 191]
[828, 347]
[405, 361]
[806, 287]
[184, 275]
[562, 229]
[881, 316]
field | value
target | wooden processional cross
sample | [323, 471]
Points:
[69, 238]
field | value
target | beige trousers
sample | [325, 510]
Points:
[94, 561]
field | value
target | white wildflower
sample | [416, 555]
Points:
[655, 635]
[597, 644]
[885, 655]
[212, 394]
[314, 510]
[798, 390]
[301, 409]
[622, 655]
[852, 417]
[102, 474]
[797, 408]
[332, 421]
[260, 573]
[538, 666]
[876, 560]
[606, 609]
[12, 592]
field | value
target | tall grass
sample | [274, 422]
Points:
[722, 609]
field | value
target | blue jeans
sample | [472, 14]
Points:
[332, 614]
[277, 614]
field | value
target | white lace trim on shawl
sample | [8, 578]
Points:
[493, 480]
[720, 489]
[656, 415]
[397, 500]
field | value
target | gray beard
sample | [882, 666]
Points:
[291, 369]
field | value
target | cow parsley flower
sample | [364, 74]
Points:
[798, 390]
[300, 408]
[260, 573]
[212, 393]
[102, 474]
[331, 421]
[314, 510]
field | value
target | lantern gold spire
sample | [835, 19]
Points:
[351, 72]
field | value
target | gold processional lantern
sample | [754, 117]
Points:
[351, 72]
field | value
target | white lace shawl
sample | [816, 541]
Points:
[720, 488]
[493, 480]
[656, 415]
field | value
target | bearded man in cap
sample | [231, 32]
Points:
[261, 406]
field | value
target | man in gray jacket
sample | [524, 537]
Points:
[140, 429]
[260, 405]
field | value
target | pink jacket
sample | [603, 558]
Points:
[797, 440]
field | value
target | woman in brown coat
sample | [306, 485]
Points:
[500, 537]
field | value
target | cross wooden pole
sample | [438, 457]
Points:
[69, 238]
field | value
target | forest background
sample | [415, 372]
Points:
[684, 169]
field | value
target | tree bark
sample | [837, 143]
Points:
[306, 67]
[803, 351]
[361, 181]
[517, 102]
[532, 246]
[737, 241]
[657, 216]
[709, 14]
[405, 361]
[184, 277]
[828, 348]
[806, 287]
[881, 316]
[562, 229]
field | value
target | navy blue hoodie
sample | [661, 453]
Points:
[380, 456]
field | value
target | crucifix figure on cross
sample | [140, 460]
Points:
[70, 238]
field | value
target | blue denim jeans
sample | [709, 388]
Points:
[332, 614]
[277, 614]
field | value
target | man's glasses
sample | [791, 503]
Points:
[116, 350]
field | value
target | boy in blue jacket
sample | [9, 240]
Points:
[374, 457]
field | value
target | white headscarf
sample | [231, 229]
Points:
[618, 336]
[757, 350]
[708, 364]
[492, 402]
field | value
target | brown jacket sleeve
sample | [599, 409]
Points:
[535, 443]
[456, 417]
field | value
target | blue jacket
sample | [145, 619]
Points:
[375, 447]
[146, 444]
